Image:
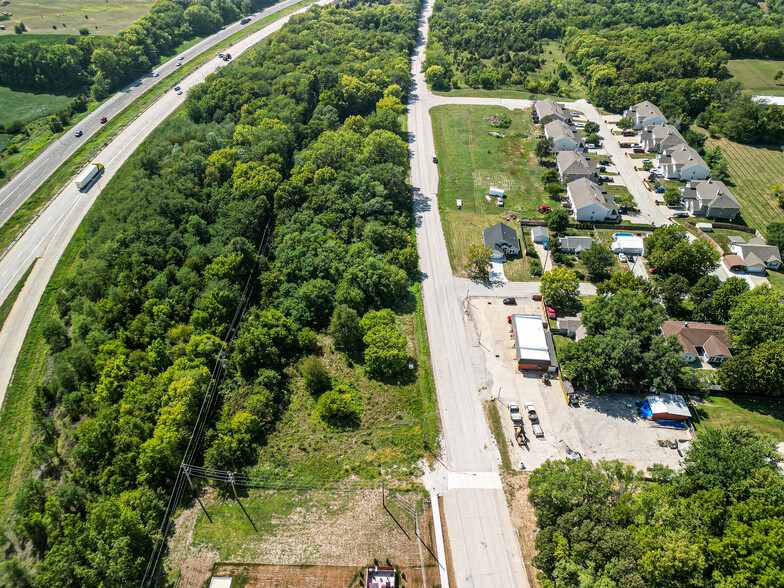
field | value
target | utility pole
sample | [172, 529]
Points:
[187, 477]
[231, 480]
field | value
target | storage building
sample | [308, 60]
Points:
[668, 407]
[534, 349]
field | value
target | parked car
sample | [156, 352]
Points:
[680, 214]
[624, 145]
[510, 301]
[622, 257]
[78, 134]
[652, 270]
[103, 119]
[605, 162]
[544, 209]
[176, 88]
[659, 190]
[629, 133]
[590, 145]
[638, 150]
[579, 125]
[646, 161]
[499, 201]
[435, 159]
[602, 168]
[550, 311]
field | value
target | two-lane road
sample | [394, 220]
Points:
[27, 181]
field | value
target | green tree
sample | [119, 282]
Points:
[555, 190]
[598, 259]
[345, 329]
[339, 408]
[725, 298]
[386, 353]
[437, 78]
[673, 196]
[775, 231]
[593, 139]
[478, 262]
[671, 252]
[315, 376]
[632, 311]
[558, 221]
[55, 334]
[560, 289]
[673, 290]
[758, 316]
[544, 148]
[550, 176]
[625, 123]
[591, 128]
[624, 281]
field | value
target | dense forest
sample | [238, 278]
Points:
[104, 64]
[719, 523]
[673, 53]
[287, 173]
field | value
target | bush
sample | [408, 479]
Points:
[315, 376]
[84, 31]
[55, 334]
[536, 267]
[345, 328]
[338, 408]
[15, 127]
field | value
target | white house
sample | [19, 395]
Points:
[590, 201]
[565, 138]
[540, 235]
[573, 165]
[682, 163]
[757, 255]
[658, 137]
[502, 241]
[710, 199]
[645, 114]
[628, 244]
[553, 109]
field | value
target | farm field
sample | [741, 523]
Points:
[470, 161]
[753, 172]
[105, 17]
[28, 106]
[762, 414]
[52, 39]
[757, 74]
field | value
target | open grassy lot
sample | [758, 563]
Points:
[28, 106]
[53, 39]
[753, 171]
[762, 414]
[104, 17]
[757, 74]
[470, 161]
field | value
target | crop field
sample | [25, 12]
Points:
[470, 161]
[28, 105]
[753, 172]
[102, 17]
[757, 74]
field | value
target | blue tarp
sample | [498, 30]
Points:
[673, 424]
[644, 409]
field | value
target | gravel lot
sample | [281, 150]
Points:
[603, 427]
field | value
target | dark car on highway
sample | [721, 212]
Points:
[78, 133]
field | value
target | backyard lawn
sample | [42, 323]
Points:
[753, 172]
[762, 414]
[470, 161]
[757, 74]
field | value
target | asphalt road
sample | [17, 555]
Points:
[484, 547]
[48, 237]
[27, 181]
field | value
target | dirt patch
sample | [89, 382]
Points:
[485, 179]
[523, 519]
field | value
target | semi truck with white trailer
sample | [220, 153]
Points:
[87, 177]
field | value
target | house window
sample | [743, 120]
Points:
[700, 351]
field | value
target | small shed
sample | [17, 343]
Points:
[497, 192]
[735, 263]
[668, 407]
[705, 227]
[220, 582]
[540, 234]
[381, 577]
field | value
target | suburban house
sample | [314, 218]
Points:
[575, 244]
[590, 201]
[534, 348]
[551, 108]
[573, 165]
[565, 138]
[502, 241]
[645, 114]
[682, 163]
[710, 199]
[658, 137]
[628, 244]
[700, 340]
[540, 235]
[572, 327]
[757, 255]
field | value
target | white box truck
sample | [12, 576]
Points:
[89, 175]
[497, 192]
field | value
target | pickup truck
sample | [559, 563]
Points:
[514, 412]
[534, 418]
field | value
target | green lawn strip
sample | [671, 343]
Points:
[757, 74]
[114, 126]
[518, 93]
[8, 303]
[28, 106]
[765, 415]
[494, 417]
[470, 161]
[776, 278]
[9, 38]
[16, 427]
[753, 172]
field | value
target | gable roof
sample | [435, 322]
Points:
[572, 162]
[583, 192]
[753, 253]
[549, 107]
[500, 233]
[645, 110]
[539, 232]
[557, 129]
[576, 242]
[665, 135]
[711, 193]
[684, 156]
[699, 334]
[733, 260]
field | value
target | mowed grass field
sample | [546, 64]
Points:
[757, 74]
[470, 161]
[762, 414]
[28, 106]
[753, 172]
[104, 17]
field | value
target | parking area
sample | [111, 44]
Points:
[600, 428]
